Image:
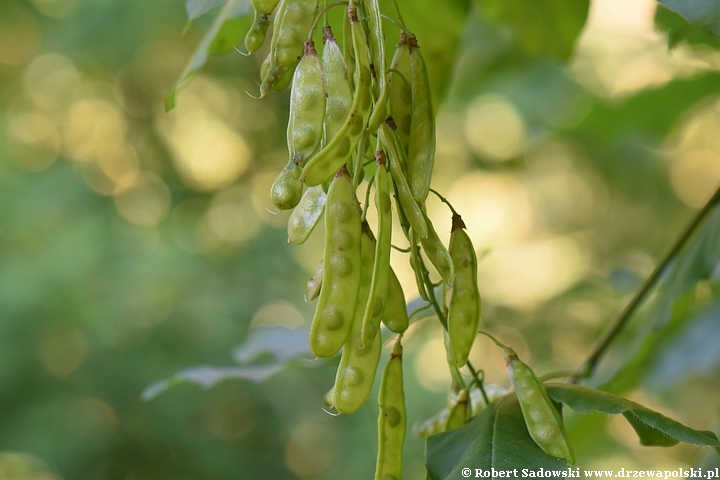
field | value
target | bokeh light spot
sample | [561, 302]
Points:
[19, 36]
[494, 129]
[310, 449]
[277, 314]
[142, 198]
[695, 176]
[62, 353]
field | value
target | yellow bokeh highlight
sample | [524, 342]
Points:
[142, 198]
[40, 137]
[527, 274]
[278, 314]
[91, 127]
[494, 128]
[695, 176]
[229, 222]
[310, 449]
[63, 353]
[431, 366]
[51, 81]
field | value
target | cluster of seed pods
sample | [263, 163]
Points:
[354, 117]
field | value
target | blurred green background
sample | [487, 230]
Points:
[136, 243]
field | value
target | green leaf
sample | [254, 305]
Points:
[653, 428]
[497, 438]
[265, 352]
[232, 9]
[678, 29]
[438, 29]
[697, 21]
[541, 27]
[197, 8]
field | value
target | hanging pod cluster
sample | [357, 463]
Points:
[358, 116]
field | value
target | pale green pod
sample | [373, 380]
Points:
[339, 96]
[400, 92]
[395, 316]
[335, 311]
[315, 283]
[435, 424]
[421, 141]
[377, 49]
[460, 412]
[255, 37]
[334, 155]
[359, 361]
[306, 215]
[438, 254]
[464, 311]
[542, 419]
[377, 296]
[392, 420]
[265, 6]
[290, 29]
[417, 265]
[286, 191]
[410, 208]
[307, 107]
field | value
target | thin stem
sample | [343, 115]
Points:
[588, 367]
[394, 22]
[367, 199]
[445, 201]
[400, 18]
[400, 249]
[320, 15]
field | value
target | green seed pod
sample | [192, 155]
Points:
[321, 166]
[307, 107]
[410, 208]
[417, 265]
[377, 49]
[359, 361]
[286, 191]
[392, 420]
[460, 412]
[464, 312]
[395, 316]
[438, 254]
[377, 296]
[400, 92]
[337, 302]
[306, 215]
[339, 96]
[290, 29]
[315, 283]
[255, 37]
[542, 419]
[421, 141]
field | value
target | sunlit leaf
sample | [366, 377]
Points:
[697, 21]
[652, 427]
[278, 343]
[231, 10]
[497, 438]
[197, 8]
[541, 27]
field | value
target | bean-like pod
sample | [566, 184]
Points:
[333, 319]
[290, 29]
[400, 92]
[395, 316]
[421, 141]
[307, 107]
[460, 412]
[392, 420]
[377, 296]
[411, 209]
[377, 48]
[286, 191]
[339, 96]
[330, 158]
[417, 265]
[306, 215]
[542, 419]
[315, 283]
[255, 37]
[464, 311]
[438, 254]
[359, 361]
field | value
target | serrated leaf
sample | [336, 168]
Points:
[232, 9]
[497, 438]
[653, 428]
[697, 21]
[541, 27]
[198, 8]
[278, 343]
